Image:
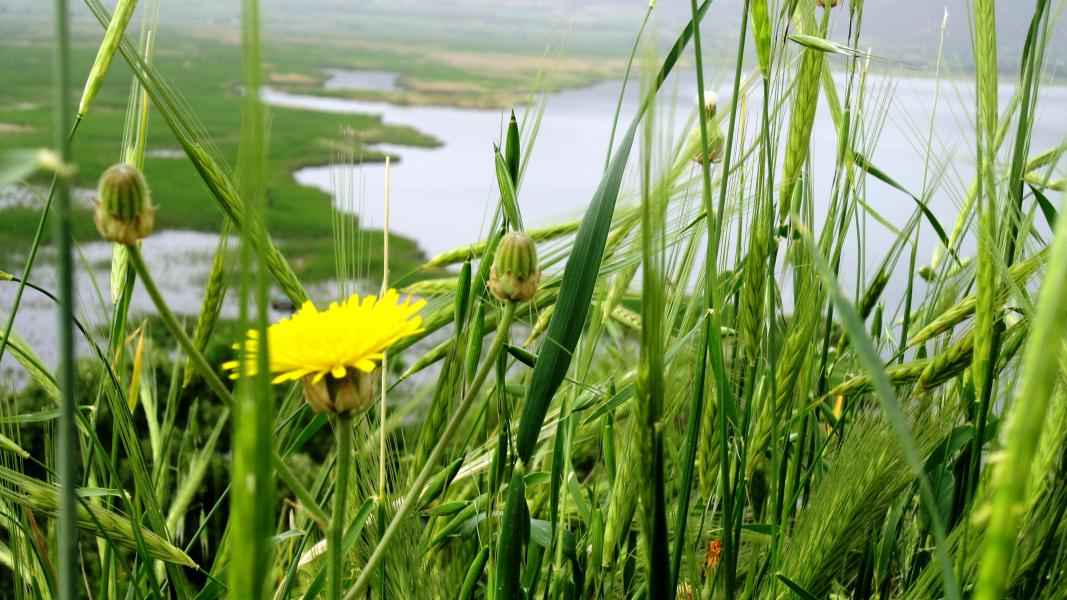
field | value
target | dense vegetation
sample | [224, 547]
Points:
[680, 395]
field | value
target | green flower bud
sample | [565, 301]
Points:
[822, 3]
[716, 143]
[349, 396]
[123, 209]
[515, 275]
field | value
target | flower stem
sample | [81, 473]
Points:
[340, 496]
[435, 455]
[212, 379]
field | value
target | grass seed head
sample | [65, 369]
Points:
[112, 38]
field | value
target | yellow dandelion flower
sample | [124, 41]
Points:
[352, 334]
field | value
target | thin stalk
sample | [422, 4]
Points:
[38, 234]
[335, 545]
[435, 455]
[213, 382]
[622, 88]
[67, 457]
[712, 346]
[383, 407]
[385, 358]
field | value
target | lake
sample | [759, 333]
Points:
[442, 196]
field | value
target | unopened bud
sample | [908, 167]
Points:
[715, 144]
[349, 396]
[515, 275]
[123, 210]
[822, 3]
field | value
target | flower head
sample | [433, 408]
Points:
[514, 275]
[714, 555]
[123, 208]
[312, 344]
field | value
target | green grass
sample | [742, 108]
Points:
[208, 74]
[706, 406]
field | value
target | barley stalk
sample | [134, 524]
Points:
[928, 373]
[214, 294]
[622, 503]
[475, 250]
[225, 192]
[753, 291]
[761, 34]
[432, 287]
[1025, 424]
[987, 284]
[91, 519]
[112, 37]
[801, 122]
[1020, 273]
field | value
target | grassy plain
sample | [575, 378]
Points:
[202, 59]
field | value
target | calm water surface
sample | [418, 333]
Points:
[441, 196]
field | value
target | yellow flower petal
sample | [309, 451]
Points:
[350, 334]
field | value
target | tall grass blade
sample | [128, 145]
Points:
[252, 507]
[579, 279]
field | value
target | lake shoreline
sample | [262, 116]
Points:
[408, 95]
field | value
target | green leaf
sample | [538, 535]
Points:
[866, 165]
[286, 535]
[541, 534]
[509, 549]
[796, 587]
[1047, 209]
[580, 272]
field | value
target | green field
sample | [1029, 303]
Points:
[201, 60]
[207, 73]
